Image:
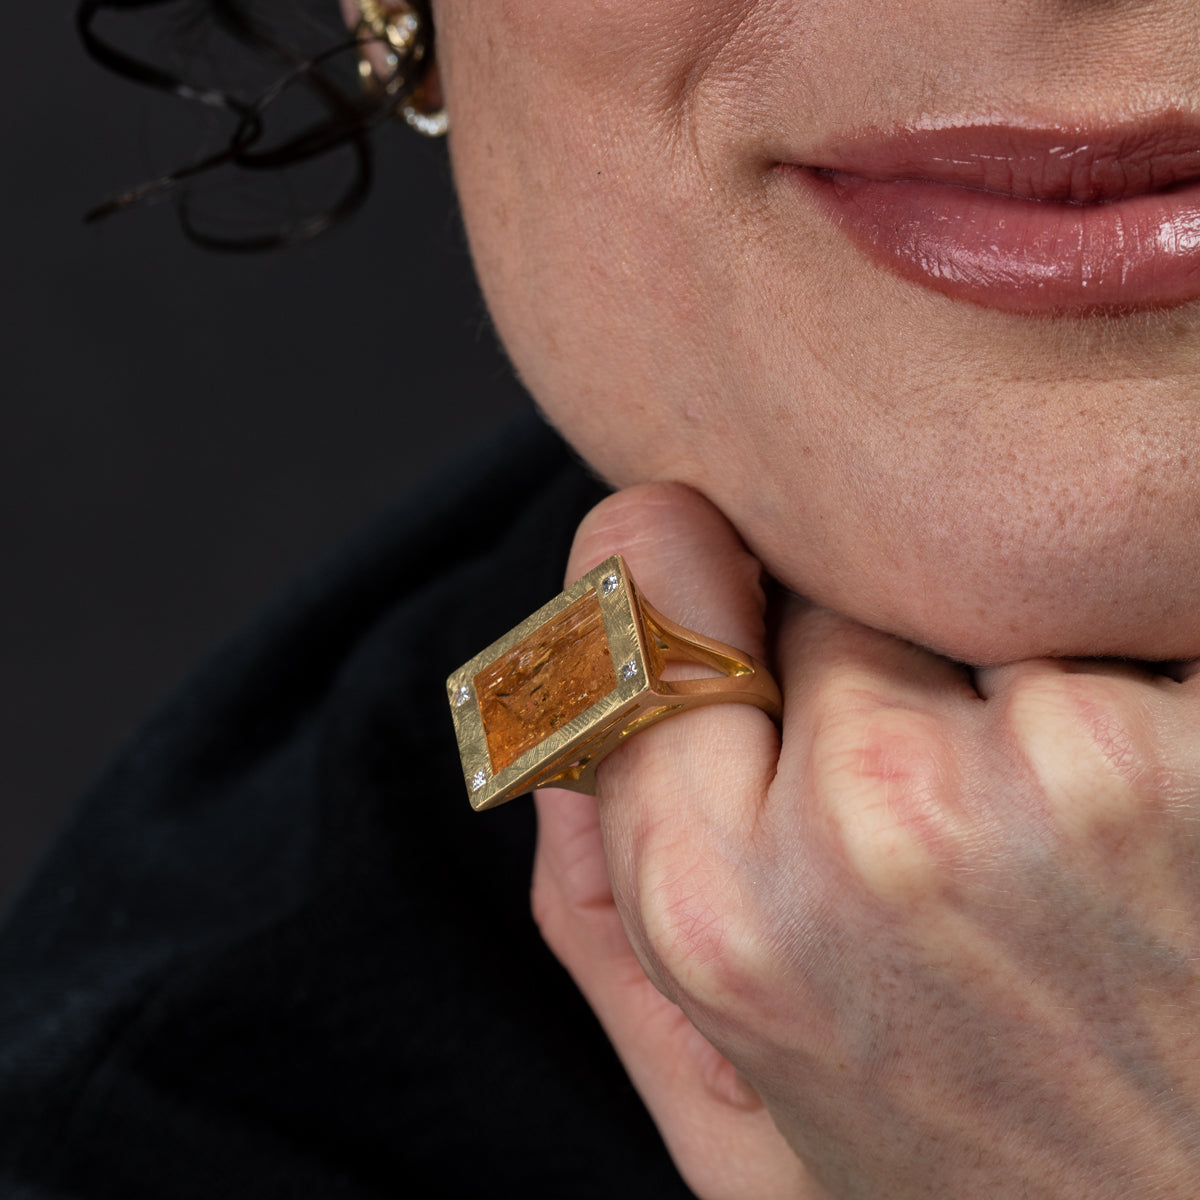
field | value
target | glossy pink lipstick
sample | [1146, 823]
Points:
[1024, 220]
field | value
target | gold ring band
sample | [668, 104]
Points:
[545, 704]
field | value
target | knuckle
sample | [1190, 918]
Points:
[553, 918]
[697, 927]
[888, 785]
[629, 517]
[543, 909]
[1087, 742]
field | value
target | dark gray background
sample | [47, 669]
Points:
[183, 430]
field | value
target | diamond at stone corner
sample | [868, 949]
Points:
[462, 695]
[629, 670]
[478, 780]
[608, 584]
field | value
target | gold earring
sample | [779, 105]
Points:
[404, 35]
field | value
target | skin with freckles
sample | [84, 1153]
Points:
[993, 485]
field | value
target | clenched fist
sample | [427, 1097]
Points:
[939, 937]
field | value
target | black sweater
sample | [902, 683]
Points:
[276, 954]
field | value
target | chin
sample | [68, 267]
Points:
[1007, 637]
[1002, 624]
[1052, 558]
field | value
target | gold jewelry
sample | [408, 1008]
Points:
[401, 32]
[548, 701]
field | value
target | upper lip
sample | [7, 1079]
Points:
[1063, 164]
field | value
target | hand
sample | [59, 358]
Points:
[944, 937]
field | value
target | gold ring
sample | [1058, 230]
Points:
[545, 704]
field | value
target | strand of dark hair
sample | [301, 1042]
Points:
[346, 123]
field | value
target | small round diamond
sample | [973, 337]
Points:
[462, 695]
[478, 780]
[629, 670]
[609, 584]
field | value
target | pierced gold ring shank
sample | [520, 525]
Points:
[545, 704]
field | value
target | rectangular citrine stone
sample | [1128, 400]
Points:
[559, 671]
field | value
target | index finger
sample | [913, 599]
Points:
[677, 799]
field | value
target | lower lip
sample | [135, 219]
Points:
[1022, 255]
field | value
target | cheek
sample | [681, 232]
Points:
[592, 232]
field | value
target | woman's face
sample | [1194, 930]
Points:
[743, 245]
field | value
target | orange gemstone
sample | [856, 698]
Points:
[556, 673]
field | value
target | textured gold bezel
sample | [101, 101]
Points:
[564, 754]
